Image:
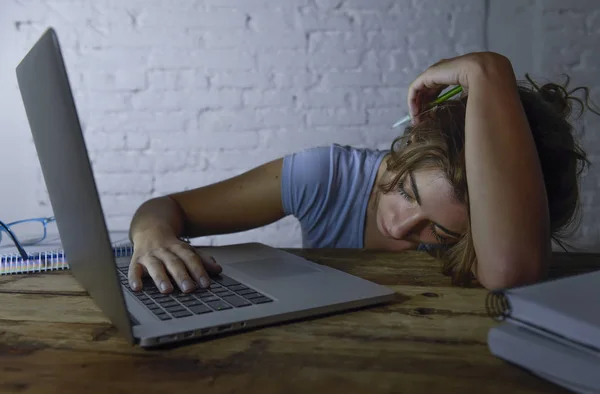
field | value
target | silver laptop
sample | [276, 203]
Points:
[259, 285]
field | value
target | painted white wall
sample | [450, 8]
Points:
[178, 94]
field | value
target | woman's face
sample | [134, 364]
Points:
[422, 209]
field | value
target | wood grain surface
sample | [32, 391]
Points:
[432, 339]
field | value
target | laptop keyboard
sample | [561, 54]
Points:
[224, 293]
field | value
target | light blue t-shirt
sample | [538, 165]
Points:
[327, 189]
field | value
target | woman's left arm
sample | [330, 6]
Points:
[509, 209]
[507, 197]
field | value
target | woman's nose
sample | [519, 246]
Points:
[407, 228]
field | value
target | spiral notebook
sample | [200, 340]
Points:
[552, 329]
[49, 260]
[49, 256]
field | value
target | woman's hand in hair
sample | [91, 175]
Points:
[454, 71]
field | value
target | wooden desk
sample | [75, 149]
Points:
[53, 339]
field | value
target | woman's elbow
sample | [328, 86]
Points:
[507, 272]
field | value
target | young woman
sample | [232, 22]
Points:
[485, 182]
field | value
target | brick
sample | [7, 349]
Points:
[322, 61]
[195, 99]
[137, 140]
[402, 61]
[174, 16]
[170, 161]
[341, 117]
[312, 19]
[103, 101]
[325, 41]
[225, 140]
[384, 116]
[102, 141]
[239, 79]
[352, 78]
[155, 36]
[403, 23]
[372, 5]
[176, 140]
[328, 4]
[204, 139]
[329, 98]
[122, 162]
[298, 78]
[399, 78]
[384, 97]
[271, 20]
[177, 79]
[124, 183]
[255, 40]
[257, 98]
[282, 60]
[143, 121]
[228, 120]
[107, 59]
[250, 5]
[120, 80]
[72, 12]
[274, 117]
[201, 58]
[385, 39]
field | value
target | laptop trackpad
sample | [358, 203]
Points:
[271, 268]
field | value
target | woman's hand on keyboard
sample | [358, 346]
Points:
[157, 256]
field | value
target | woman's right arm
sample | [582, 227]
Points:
[244, 202]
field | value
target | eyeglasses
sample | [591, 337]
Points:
[26, 232]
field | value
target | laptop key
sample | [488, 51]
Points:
[252, 295]
[236, 301]
[261, 300]
[238, 287]
[182, 313]
[176, 308]
[164, 316]
[209, 298]
[225, 294]
[246, 291]
[169, 303]
[200, 309]
[218, 305]
[226, 281]
[191, 303]
[148, 302]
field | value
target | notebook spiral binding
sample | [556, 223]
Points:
[47, 261]
[497, 305]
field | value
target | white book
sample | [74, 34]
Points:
[568, 307]
[552, 358]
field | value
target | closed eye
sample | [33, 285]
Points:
[403, 192]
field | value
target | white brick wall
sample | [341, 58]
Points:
[178, 94]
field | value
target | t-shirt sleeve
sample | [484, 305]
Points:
[306, 183]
